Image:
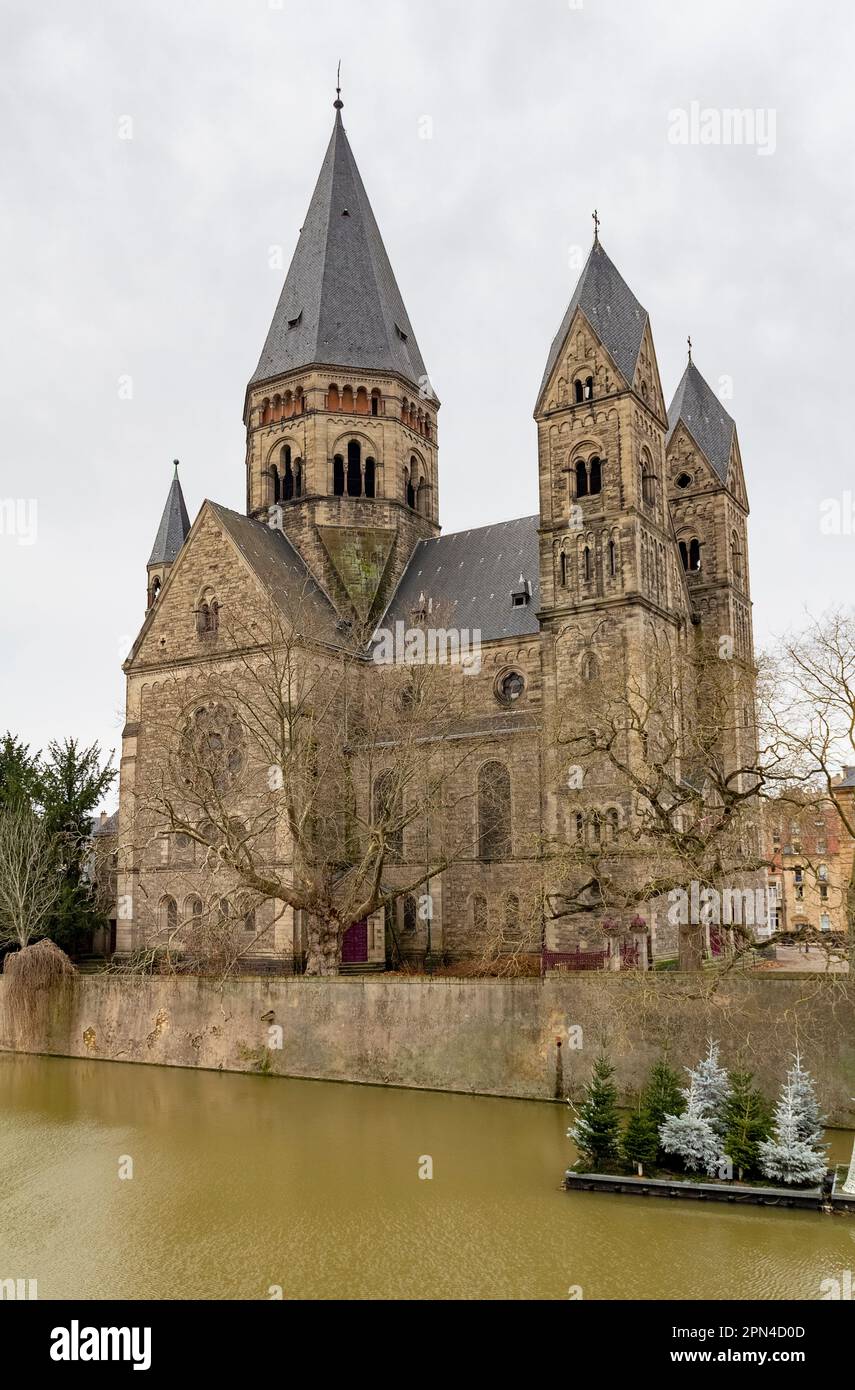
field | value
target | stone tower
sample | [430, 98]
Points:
[340, 416]
[171, 535]
[709, 504]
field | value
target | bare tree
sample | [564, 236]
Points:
[30, 877]
[662, 791]
[310, 776]
[813, 716]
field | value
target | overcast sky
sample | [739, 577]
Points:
[148, 258]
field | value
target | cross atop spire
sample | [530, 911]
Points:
[338, 103]
[689, 341]
[596, 225]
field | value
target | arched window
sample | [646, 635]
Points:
[354, 468]
[612, 824]
[735, 556]
[612, 559]
[648, 482]
[387, 812]
[413, 421]
[590, 667]
[288, 405]
[494, 811]
[298, 401]
[684, 554]
[586, 563]
[214, 616]
[375, 402]
[595, 482]
[421, 497]
[287, 486]
[479, 912]
[333, 398]
[580, 827]
[578, 390]
[265, 411]
[361, 401]
[298, 478]
[694, 555]
[409, 475]
[411, 915]
[192, 908]
[347, 398]
[277, 485]
[168, 914]
[427, 427]
[563, 569]
[154, 592]
[370, 477]
[581, 478]
[249, 921]
[405, 411]
[224, 910]
[207, 616]
[338, 476]
[513, 926]
[277, 408]
[589, 388]
[595, 826]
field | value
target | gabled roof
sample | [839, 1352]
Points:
[340, 305]
[701, 411]
[612, 310]
[469, 578]
[174, 526]
[281, 569]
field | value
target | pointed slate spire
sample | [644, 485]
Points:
[696, 405]
[612, 310]
[340, 305]
[174, 526]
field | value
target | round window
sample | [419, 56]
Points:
[684, 480]
[510, 687]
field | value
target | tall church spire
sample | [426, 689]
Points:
[340, 305]
[171, 535]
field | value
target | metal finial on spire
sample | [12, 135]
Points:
[175, 462]
[338, 103]
[596, 225]
[689, 341]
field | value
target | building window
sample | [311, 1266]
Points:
[684, 480]
[354, 469]
[168, 915]
[388, 817]
[824, 922]
[512, 925]
[595, 476]
[581, 478]
[494, 811]
[370, 477]
[590, 667]
[338, 476]
[479, 913]
[510, 687]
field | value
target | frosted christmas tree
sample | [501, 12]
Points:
[794, 1154]
[691, 1136]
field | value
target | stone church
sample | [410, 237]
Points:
[641, 528]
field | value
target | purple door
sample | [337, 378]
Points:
[354, 944]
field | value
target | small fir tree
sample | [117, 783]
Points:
[690, 1136]
[597, 1129]
[747, 1123]
[712, 1088]
[640, 1140]
[786, 1156]
[662, 1096]
[811, 1122]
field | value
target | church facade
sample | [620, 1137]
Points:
[641, 529]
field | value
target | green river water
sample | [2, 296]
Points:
[245, 1183]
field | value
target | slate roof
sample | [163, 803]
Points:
[173, 528]
[469, 577]
[612, 311]
[340, 305]
[701, 411]
[281, 570]
[108, 827]
[847, 778]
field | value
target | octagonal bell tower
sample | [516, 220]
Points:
[340, 415]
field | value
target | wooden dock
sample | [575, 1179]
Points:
[809, 1198]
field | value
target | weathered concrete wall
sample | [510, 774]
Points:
[494, 1037]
